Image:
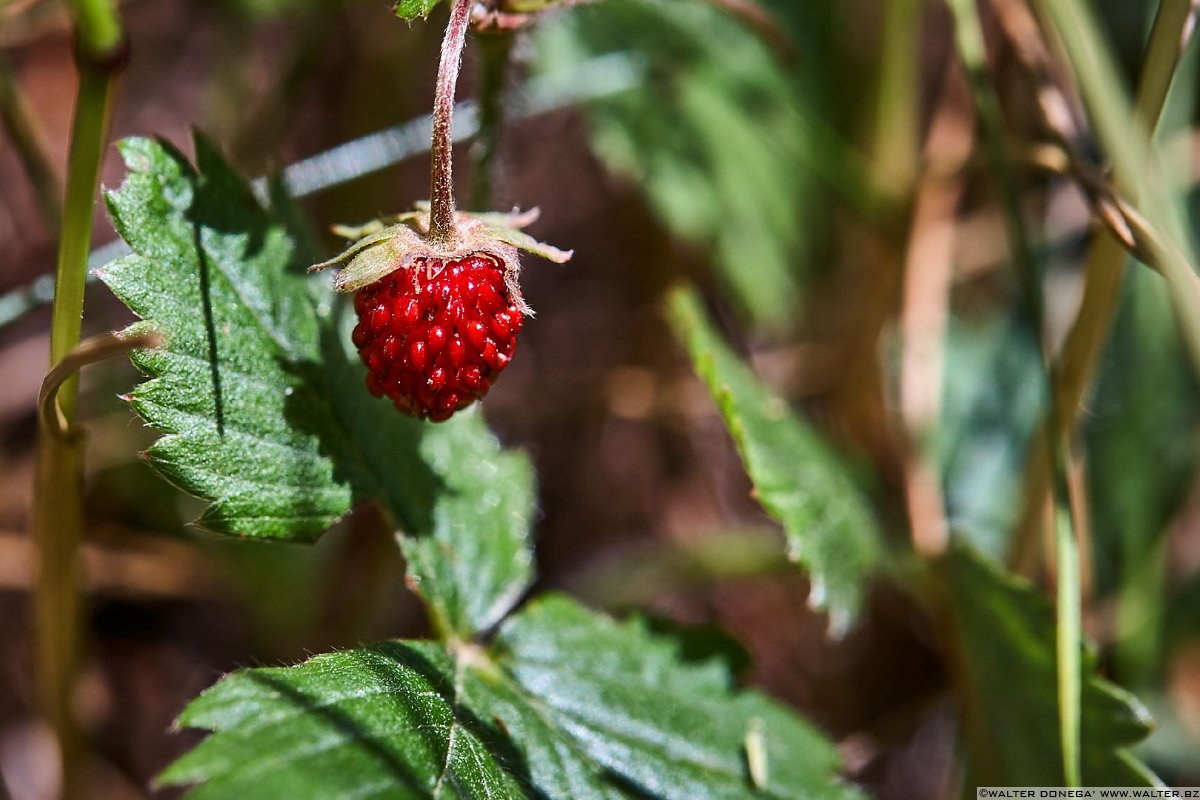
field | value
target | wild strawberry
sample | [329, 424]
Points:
[437, 323]
[434, 337]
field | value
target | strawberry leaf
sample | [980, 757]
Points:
[797, 478]
[1003, 653]
[566, 704]
[264, 410]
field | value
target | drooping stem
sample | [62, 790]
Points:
[497, 56]
[58, 490]
[441, 180]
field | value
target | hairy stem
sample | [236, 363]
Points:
[58, 490]
[441, 180]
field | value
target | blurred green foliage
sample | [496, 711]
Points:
[723, 137]
[797, 476]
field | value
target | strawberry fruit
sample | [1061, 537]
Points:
[435, 336]
[437, 319]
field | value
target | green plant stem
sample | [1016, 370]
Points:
[57, 522]
[895, 137]
[1103, 271]
[1069, 645]
[442, 229]
[89, 136]
[496, 49]
[969, 40]
[22, 127]
[58, 491]
[97, 26]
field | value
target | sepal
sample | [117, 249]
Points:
[382, 246]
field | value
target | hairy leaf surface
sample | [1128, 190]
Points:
[567, 704]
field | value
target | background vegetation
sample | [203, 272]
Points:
[871, 389]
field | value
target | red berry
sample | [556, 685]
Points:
[435, 337]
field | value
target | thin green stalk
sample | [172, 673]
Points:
[58, 492]
[1069, 645]
[89, 137]
[22, 127]
[969, 40]
[895, 138]
[496, 51]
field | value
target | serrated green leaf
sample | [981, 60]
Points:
[796, 476]
[1004, 666]
[380, 721]
[411, 9]
[567, 705]
[264, 409]
[671, 729]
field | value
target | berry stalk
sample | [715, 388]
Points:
[441, 181]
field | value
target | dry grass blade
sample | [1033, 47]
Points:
[928, 271]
